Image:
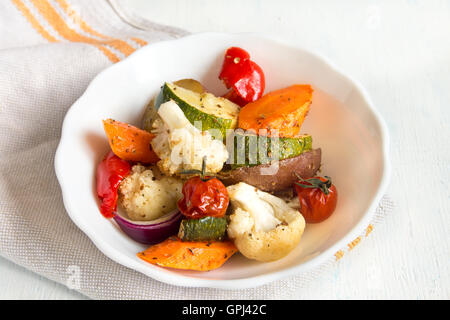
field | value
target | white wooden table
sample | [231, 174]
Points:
[400, 51]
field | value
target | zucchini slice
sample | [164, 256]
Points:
[213, 112]
[251, 150]
[203, 229]
[151, 113]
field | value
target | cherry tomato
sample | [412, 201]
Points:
[318, 198]
[203, 196]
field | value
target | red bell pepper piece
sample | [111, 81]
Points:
[234, 97]
[244, 76]
[110, 172]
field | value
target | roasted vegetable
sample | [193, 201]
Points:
[262, 226]
[204, 108]
[317, 197]
[277, 176]
[110, 172]
[146, 194]
[251, 150]
[189, 255]
[235, 98]
[149, 232]
[203, 196]
[242, 75]
[128, 142]
[203, 229]
[151, 113]
[181, 146]
[282, 110]
[190, 84]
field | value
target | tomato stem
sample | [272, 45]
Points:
[202, 173]
[202, 176]
[315, 183]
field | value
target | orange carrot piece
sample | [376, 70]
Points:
[283, 110]
[189, 255]
[128, 142]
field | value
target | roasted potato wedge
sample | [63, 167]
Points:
[191, 84]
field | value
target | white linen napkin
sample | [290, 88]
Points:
[49, 52]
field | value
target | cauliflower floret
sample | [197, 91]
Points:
[147, 195]
[262, 226]
[242, 221]
[181, 146]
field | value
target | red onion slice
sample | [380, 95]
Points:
[151, 232]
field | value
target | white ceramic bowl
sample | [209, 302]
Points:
[342, 121]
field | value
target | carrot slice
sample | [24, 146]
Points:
[189, 255]
[128, 142]
[283, 110]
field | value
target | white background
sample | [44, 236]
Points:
[400, 51]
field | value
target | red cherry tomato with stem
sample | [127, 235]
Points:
[203, 196]
[318, 198]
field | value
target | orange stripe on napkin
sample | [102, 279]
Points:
[339, 255]
[77, 19]
[33, 21]
[55, 20]
[118, 44]
[58, 23]
[139, 41]
[111, 56]
[46, 35]
[369, 229]
[84, 26]
[353, 244]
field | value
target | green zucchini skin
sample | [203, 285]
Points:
[203, 229]
[249, 150]
[209, 120]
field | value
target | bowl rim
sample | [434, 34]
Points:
[241, 283]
